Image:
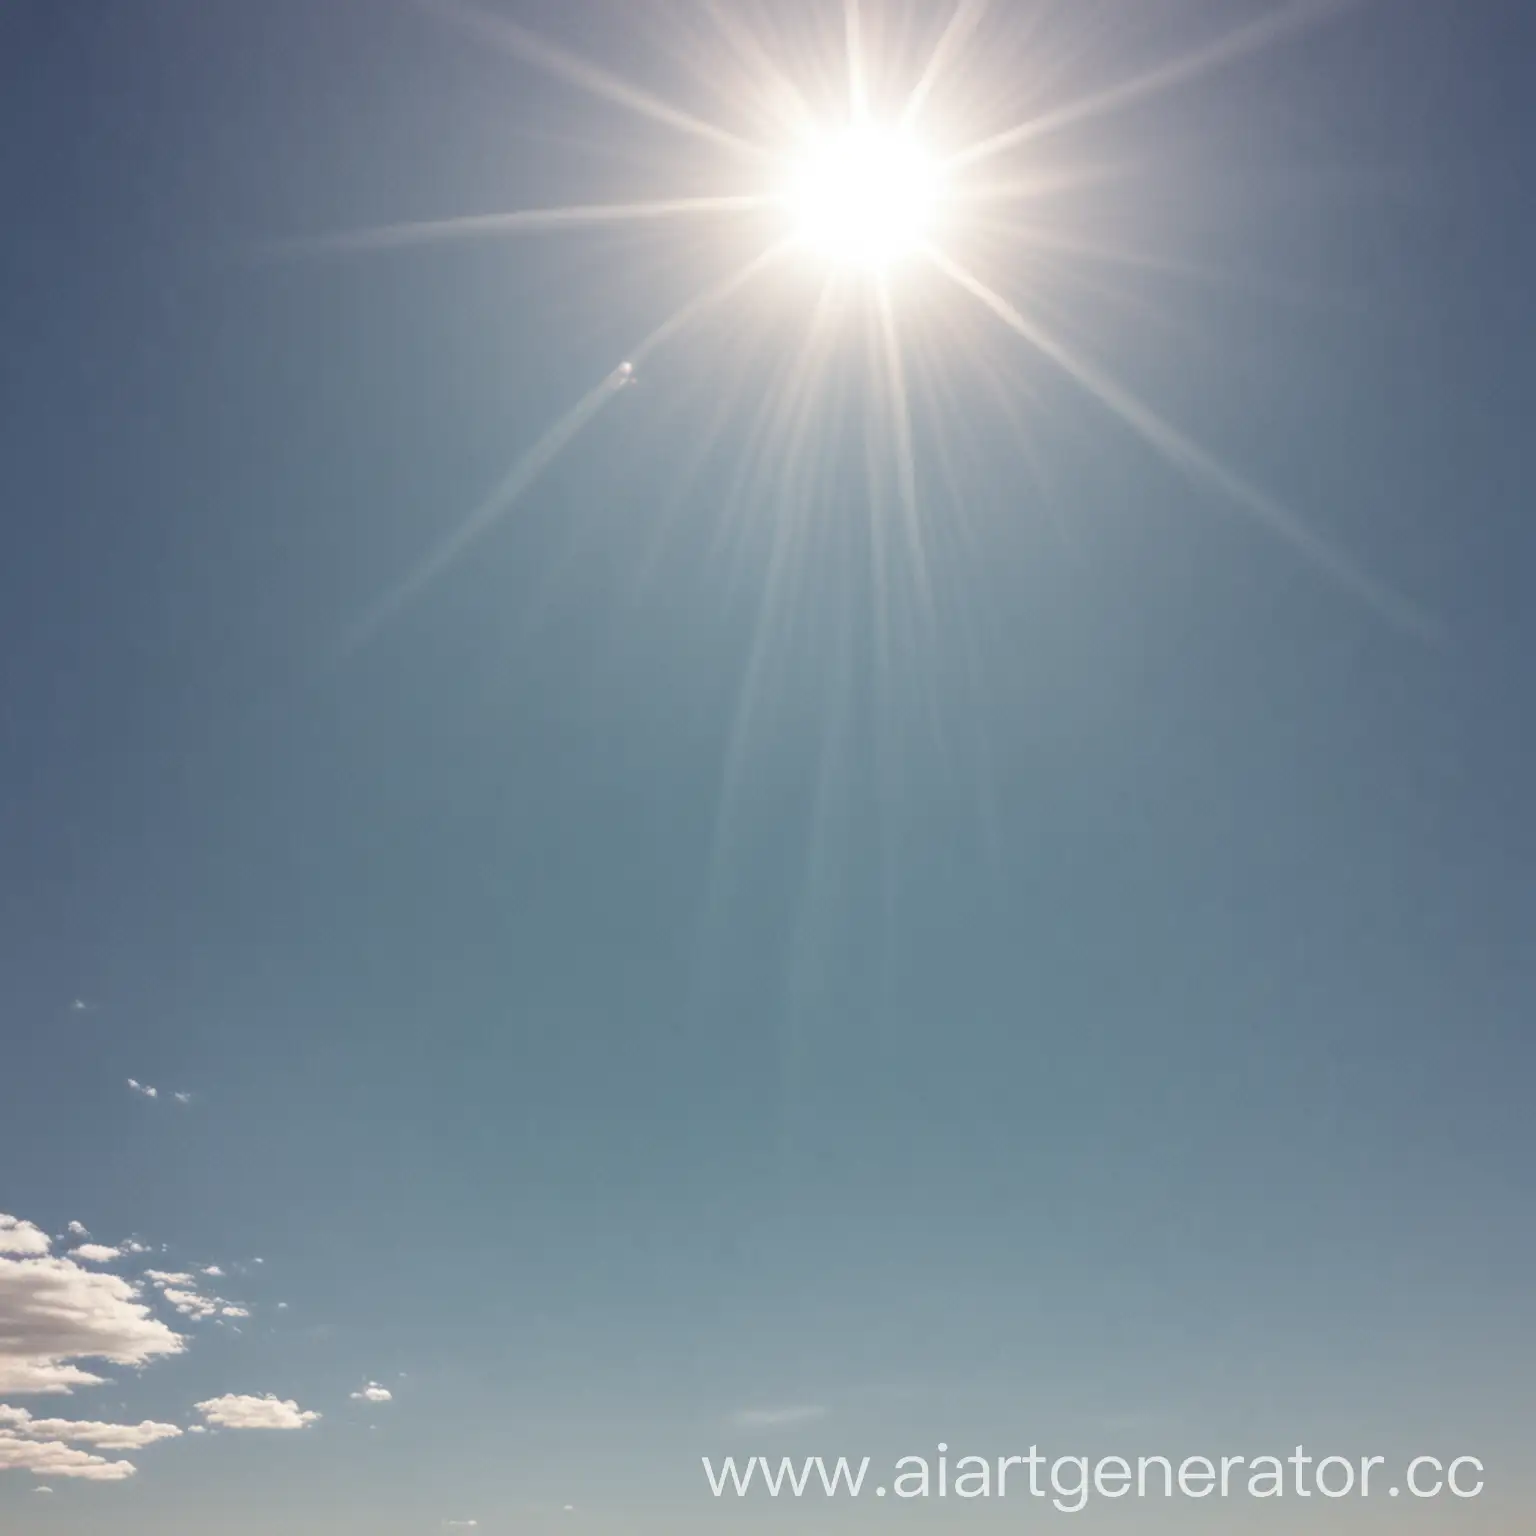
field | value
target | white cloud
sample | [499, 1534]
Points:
[197, 1429]
[373, 1393]
[214, 1270]
[78, 1229]
[96, 1253]
[48, 1446]
[460, 1525]
[41, 1489]
[17, 1236]
[777, 1418]
[52, 1458]
[54, 1312]
[180, 1289]
[134, 1247]
[189, 1303]
[19, 1424]
[182, 1098]
[144, 1089]
[242, 1412]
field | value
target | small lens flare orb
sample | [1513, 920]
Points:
[865, 198]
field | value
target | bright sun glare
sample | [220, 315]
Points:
[865, 198]
[862, 199]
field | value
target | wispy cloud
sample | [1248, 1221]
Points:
[234, 1411]
[50, 1446]
[777, 1418]
[373, 1393]
[193, 1304]
[107, 1437]
[52, 1458]
[146, 1091]
[179, 1287]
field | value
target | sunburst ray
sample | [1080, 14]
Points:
[535, 460]
[590, 77]
[963, 21]
[381, 237]
[900, 417]
[1242, 41]
[1187, 455]
[858, 84]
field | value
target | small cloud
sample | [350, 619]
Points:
[182, 1098]
[143, 1089]
[235, 1411]
[42, 1490]
[96, 1253]
[77, 1229]
[180, 1289]
[79, 1006]
[777, 1418]
[460, 1525]
[21, 1237]
[373, 1393]
[134, 1247]
[213, 1269]
[189, 1303]
[282, 1306]
[197, 1429]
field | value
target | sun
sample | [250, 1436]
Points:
[846, 164]
[865, 197]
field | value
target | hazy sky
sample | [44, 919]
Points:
[700, 977]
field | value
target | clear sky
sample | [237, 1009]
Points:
[818, 929]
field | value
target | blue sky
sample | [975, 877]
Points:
[665, 991]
